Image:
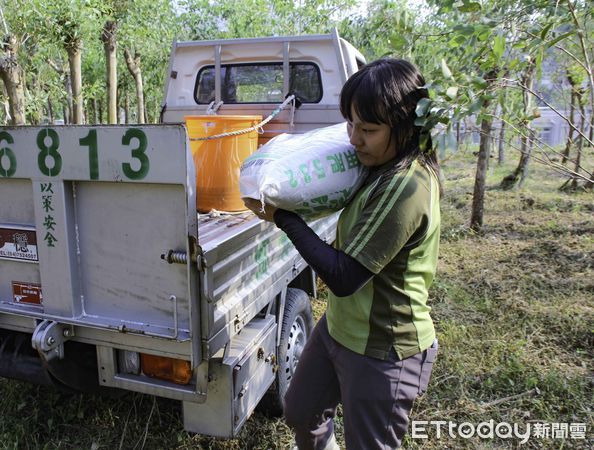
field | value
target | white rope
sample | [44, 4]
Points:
[212, 108]
[258, 127]
[292, 112]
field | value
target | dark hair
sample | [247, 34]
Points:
[387, 91]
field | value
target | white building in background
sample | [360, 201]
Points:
[552, 129]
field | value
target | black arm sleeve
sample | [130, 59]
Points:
[342, 274]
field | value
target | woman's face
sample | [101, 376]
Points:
[372, 141]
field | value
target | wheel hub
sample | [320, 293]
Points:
[297, 339]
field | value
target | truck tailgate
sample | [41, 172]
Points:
[85, 215]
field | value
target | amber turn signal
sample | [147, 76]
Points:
[178, 371]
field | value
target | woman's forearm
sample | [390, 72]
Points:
[342, 274]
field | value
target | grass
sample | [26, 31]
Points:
[514, 310]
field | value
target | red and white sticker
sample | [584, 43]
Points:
[23, 292]
[18, 243]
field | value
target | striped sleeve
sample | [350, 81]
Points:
[397, 213]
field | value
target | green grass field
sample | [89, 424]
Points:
[514, 310]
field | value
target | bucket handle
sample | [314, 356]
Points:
[257, 127]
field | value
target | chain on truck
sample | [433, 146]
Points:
[109, 278]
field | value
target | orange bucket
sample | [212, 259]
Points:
[218, 161]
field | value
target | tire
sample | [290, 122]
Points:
[297, 326]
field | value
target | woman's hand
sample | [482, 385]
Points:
[256, 207]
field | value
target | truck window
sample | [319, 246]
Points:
[259, 83]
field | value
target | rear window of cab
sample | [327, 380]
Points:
[259, 83]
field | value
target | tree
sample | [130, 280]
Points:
[108, 37]
[113, 12]
[478, 196]
[73, 45]
[573, 87]
[586, 48]
[94, 76]
[518, 177]
[479, 40]
[133, 64]
[70, 23]
[64, 75]
[12, 76]
[12, 73]
[149, 46]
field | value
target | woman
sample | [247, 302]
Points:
[374, 348]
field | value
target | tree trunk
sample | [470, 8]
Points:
[489, 145]
[501, 143]
[95, 111]
[12, 76]
[569, 142]
[501, 138]
[127, 109]
[121, 118]
[134, 68]
[68, 87]
[580, 146]
[478, 197]
[586, 48]
[74, 62]
[5, 113]
[100, 110]
[108, 37]
[65, 74]
[5, 106]
[524, 166]
[468, 133]
[458, 134]
[50, 111]
[518, 176]
[89, 111]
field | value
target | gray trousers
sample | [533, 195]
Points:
[376, 395]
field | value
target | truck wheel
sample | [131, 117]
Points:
[297, 326]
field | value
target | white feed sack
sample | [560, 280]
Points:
[312, 174]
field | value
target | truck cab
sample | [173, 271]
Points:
[253, 76]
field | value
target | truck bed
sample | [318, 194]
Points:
[243, 262]
[97, 240]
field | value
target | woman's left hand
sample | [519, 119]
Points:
[266, 213]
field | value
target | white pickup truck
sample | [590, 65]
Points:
[109, 278]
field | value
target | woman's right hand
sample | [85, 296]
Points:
[265, 212]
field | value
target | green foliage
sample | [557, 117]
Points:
[204, 19]
[469, 51]
[388, 28]
[151, 43]
[69, 22]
